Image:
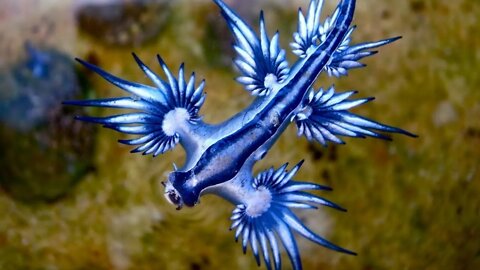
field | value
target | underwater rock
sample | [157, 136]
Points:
[44, 152]
[216, 39]
[122, 22]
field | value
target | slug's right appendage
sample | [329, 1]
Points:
[324, 116]
[311, 32]
[265, 218]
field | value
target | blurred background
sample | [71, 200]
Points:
[71, 197]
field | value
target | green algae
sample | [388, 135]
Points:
[413, 203]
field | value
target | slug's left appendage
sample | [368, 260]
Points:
[261, 61]
[265, 217]
[166, 113]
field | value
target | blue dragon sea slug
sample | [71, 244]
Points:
[220, 158]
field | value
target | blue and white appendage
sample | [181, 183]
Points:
[311, 32]
[164, 113]
[324, 116]
[261, 61]
[264, 219]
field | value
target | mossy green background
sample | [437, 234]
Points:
[413, 203]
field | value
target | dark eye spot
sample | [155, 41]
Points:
[174, 198]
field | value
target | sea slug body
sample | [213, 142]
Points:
[220, 158]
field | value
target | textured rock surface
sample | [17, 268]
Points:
[413, 203]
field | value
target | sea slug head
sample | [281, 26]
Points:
[172, 195]
[180, 189]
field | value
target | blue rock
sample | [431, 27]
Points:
[44, 151]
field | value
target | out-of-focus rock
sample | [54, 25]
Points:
[122, 22]
[44, 151]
